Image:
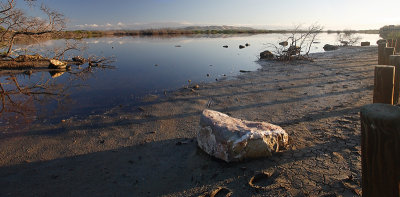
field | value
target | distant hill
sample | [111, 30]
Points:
[217, 28]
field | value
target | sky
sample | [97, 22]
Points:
[261, 14]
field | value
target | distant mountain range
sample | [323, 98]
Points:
[216, 28]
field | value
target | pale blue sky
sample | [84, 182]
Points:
[265, 14]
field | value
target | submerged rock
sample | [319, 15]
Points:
[267, 55]
[79, 59]
[57, 64]
[232, 139]
[329, 47]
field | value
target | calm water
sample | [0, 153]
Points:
[143, 66]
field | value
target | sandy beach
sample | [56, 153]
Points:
[151, 150]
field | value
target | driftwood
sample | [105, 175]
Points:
[18, 65]
[380, 146]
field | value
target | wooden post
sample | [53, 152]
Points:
[380, 150]
[381, 53]
[394, 60]
[384, 84]
[388, 52]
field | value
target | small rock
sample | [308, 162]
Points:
[232, 139]
[247, 44]
[267, 55]
[284, 43]
[329, 47]
[241, 46]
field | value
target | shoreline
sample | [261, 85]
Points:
[152, 150]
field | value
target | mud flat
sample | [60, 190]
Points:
[151, 150]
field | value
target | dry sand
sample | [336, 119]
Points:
[152, 151]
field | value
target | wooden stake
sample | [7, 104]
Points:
[388, 52]
[394, 60]
[380, 150]
[381, 53]
[384, 84]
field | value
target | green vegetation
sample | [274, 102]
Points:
[392, 34]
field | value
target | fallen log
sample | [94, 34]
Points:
[18, 65]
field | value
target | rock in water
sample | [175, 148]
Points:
[284, 43]
[329, 47]
[57, 64]
[232, 139]
[79, 59]
[267, 55]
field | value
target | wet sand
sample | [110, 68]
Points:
[152, 151]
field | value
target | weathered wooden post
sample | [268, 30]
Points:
[394, 60]
[380, 150]
[384, 84]
[381, 53]
[388, 52]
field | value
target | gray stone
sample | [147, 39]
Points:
[284, 43]
[232, 139]
[329, 47]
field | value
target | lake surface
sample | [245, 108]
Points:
[143, 66]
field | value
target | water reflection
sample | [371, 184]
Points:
[25, 95]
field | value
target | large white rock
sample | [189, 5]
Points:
[232, 139]
[57, 64]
